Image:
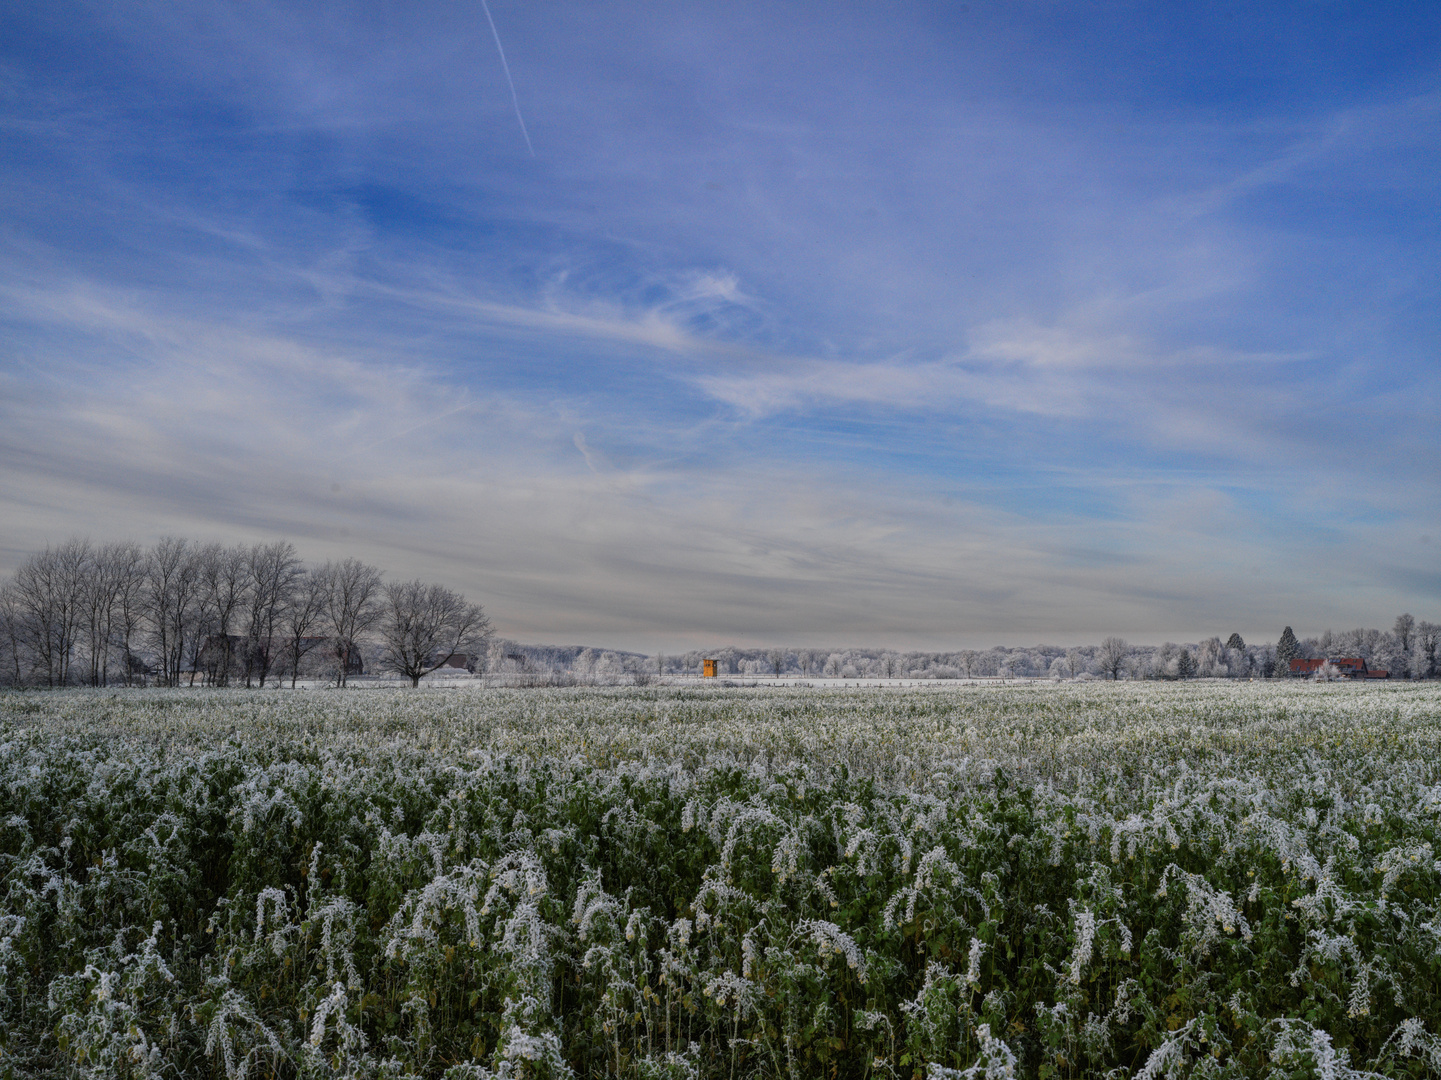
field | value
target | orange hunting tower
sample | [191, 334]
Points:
[708, 668]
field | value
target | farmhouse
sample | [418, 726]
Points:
[457, 662]
[1351, 667]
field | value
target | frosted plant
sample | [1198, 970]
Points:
[275, 902]
[1297, 1043]
[750, 955]
[1085, 937]
[996, 1061]
[863, 845]
[265, 796]
[594, 907]
[937, 1017]
[739, 821]
[974, 957]
[103, 1016]
[829, 939]
[347, 1057]
[1411, 1039]
[332, 1005]
[1095, 1035]
[337, 918]
[670, 1065]
[1171, 1058]
[524, 937]
[730, 989]
[1210, 912]
[785, 860]
[823, 886]
[934, 870]
[1402, 859]
[236, 1035]
[12, 928]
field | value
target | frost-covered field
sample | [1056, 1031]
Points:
[1157, 880]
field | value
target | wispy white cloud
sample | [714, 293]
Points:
[1019, 367]
[1336, 139]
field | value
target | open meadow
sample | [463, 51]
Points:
[1174, 880]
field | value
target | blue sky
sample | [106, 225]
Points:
[908, 325]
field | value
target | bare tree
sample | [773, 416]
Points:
[422, 626]
[12, 629]
[352, 605]
[777, 659]
[1428, 637]
[113, 571]
[274, 571]
[224, 582]
[96, 603]
[129, 568]
[171, 593]
[303, 613]
[1112, 656]
[50, 591]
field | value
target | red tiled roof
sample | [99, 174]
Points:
[1346, 665]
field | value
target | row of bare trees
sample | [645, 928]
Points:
[181, 612]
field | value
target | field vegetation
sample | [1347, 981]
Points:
[1153, 880]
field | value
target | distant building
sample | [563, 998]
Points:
[331, 651]
[458, 661]
[708, 668]
[1351, 667]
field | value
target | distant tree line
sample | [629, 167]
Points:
[1407, 651]
[187, 613]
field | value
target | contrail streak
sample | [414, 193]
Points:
[514, 100]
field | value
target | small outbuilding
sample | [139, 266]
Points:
[707, 668]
